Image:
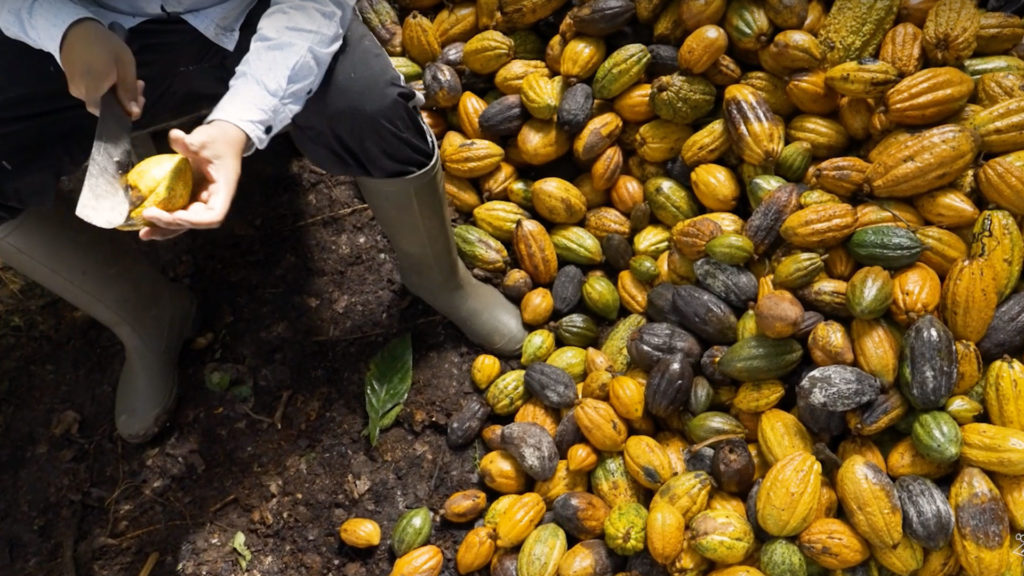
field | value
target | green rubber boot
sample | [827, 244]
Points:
[413, 212]
[101, 272]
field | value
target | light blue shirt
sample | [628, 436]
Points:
[289, 54]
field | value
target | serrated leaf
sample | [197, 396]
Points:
[387, 385]
[244, 555]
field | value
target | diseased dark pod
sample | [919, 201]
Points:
[640, 216]
[838, 388]
[567, 433]
[668, 386]
[659, 304]
[581, 514]
[451, 55]
[735, 285]
[699, 460]
[507, 564]
[927, 515]
[830, 463]
[617, 251]
[1005, 334]
[732, 466]
[884, 411]
[441, 85]
[928, 363]
[811, 319]
[664, 60]
[642, 563]
[504, 116]
[567, 289]
[600, 17]
[655, 340]
[820, 421]
[553, 386]
[751, 508]
[466, 424]
[532, 447]
[765, 221]
[704, 314]
[709, 365]
[576, 108]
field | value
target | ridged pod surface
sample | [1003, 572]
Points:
[788, 497]
[926, 160]
[757, 135]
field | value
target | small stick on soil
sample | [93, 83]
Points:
[150, 563]
[148, 529]
[259, 417]
[279, 413]
[314, 219]
[222, 503]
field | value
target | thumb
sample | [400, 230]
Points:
[178, 139]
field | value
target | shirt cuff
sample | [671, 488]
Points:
[259, 115]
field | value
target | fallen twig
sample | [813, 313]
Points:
[259, 417]
[279, 413]
[147, 530]
[222, 503]
[314, 219]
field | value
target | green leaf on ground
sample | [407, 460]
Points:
[244, 555]
[217, 380]
[387, 385]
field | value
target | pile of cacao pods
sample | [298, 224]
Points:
[770, 251]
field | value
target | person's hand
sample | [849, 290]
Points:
[215, 151]
[94, 59]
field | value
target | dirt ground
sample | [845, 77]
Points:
[300, 290]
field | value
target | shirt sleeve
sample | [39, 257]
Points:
[40, 23]
[294, 43]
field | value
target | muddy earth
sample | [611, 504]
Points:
[299, 290]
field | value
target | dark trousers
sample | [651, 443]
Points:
[359, 121]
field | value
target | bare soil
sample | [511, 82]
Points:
[299, 290]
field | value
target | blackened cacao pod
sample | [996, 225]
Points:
[553, 386]
[466, 424]
[709, 365]
[1003, 335]
[927, 515]
[656, 340]
[659, 304]
[733, 466]
[503, 117]
[838, 387]
[617, 250]
[928, 364]
[576, 108]
[735, 285]
[567, 289]
[704, 314]
[819, 421]
[766, 220]
[567, 433]
[668, 386]
[532, 447]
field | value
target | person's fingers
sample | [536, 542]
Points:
[142, 97]
[179, 141]
[127, 86]
[156, 233]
